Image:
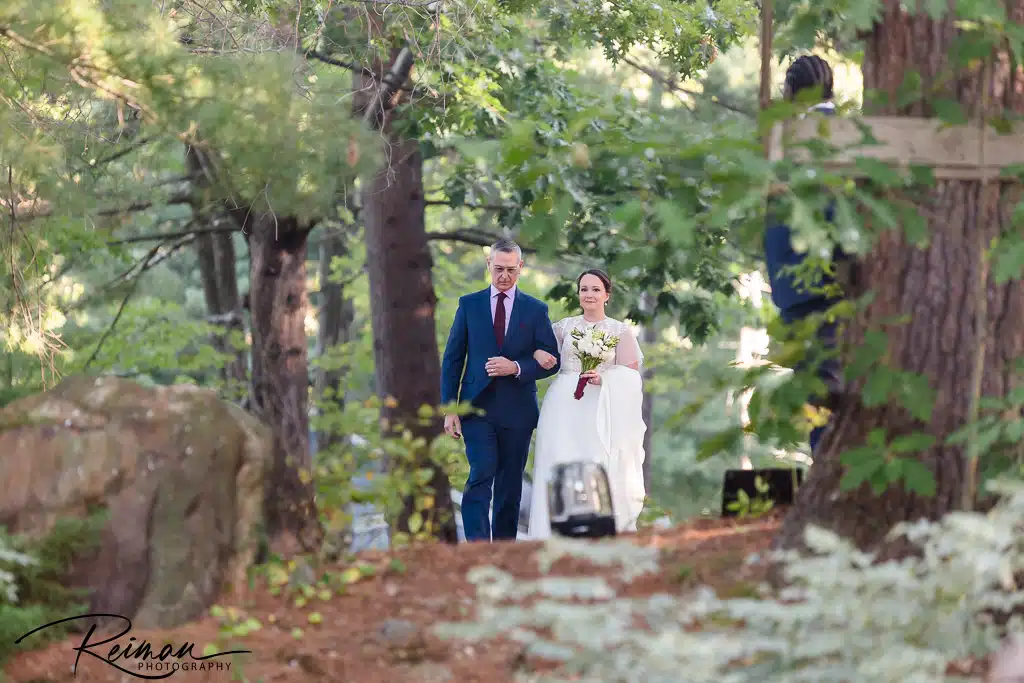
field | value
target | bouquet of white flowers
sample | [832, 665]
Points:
[593, 347]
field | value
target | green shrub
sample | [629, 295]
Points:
[33, 573]
[844, 617]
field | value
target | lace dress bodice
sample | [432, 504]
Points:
[627, 351]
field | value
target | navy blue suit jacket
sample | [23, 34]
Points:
[509, 401]
[793, 301]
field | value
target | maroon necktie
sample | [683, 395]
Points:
[499, 319]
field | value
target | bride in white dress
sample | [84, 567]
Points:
[606, 425]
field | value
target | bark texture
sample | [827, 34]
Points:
[399, 266]
[935, 287]
[215, 253]
[278, 302]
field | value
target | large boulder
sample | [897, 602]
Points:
[180, 472]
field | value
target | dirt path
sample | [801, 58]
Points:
[375, 628]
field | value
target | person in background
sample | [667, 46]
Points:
[797, 301]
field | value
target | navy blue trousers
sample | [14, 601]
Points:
[497, 457]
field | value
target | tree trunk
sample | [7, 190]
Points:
[278, 304]
[336, 316]
[399, 266]
[215, 253]
[648, 337]
[236, 371]
[647, 411]
[649, 333]
[937, 288]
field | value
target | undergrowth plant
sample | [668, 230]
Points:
[392, 465]
[33, 579]
[760, 505]
[843, 617]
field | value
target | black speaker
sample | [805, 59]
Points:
[585, 526]
[782, 484]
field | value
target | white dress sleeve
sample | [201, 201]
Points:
[558, 327]
[628, 350]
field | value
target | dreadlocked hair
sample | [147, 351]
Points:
[809, 71]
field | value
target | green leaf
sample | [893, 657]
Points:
[910, 90]
[724, 441]
[866, 356]
[755, 406]
[678, 226]
[861, 465]
[519, 143]
[921, 175]
[880, 481]
[876, 437]
[915, 227]
[879, 210]
[916, 395]
[630, 214]
[985, 439]
[894, 470]
[634, 258]
[849, 226]
[917, 477]
[950, 112]
[879, 172]
[960, 437]
[912, 443]
[803, 223]
[415, 522]
[862, 14]
[1014, 431]
[1009, 257]
[878, 387]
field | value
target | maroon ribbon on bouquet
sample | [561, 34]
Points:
[580, 386]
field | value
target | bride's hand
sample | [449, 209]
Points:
[545, 359]
[592, 377]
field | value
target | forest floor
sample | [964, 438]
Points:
[378, 629]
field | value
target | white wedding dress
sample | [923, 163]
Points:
[605, 426]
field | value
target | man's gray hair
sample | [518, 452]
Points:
[507, 246]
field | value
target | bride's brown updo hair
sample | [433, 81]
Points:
[600, 275]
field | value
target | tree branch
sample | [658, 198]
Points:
[114, 156]
[479, 239]
[672, 84]
[164, 236]
[355, 68]
[149, 261]
[33, 209]
[394, 79]
[327, 59]
[482, 207]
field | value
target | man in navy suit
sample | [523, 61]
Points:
[796, 301]
[488, 363]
